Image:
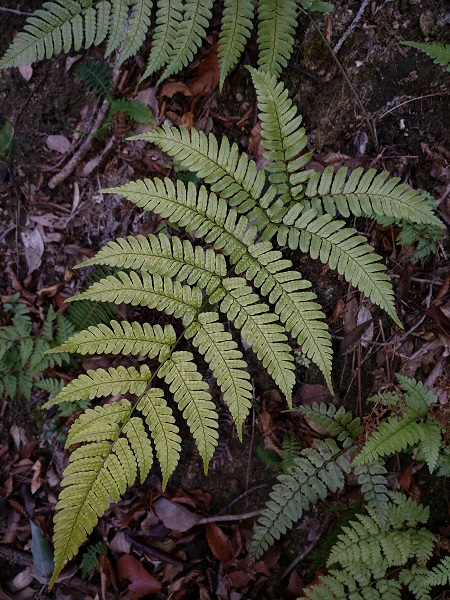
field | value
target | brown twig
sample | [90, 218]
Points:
[70, 167]
[16, 12]
[227, 518]
[310, 547]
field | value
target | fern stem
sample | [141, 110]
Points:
[347, 79]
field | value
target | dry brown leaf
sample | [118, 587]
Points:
[142, 582]
[58, 143]
[208, 75]
[36, 480]
[175, 516]
[219, 543]
[175, 87]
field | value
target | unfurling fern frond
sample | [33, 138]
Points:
[439, 53]
[333, 422]
[234, 33]
[315, 473]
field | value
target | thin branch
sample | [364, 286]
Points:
[227, 518]
[352, 26]
[16, 12]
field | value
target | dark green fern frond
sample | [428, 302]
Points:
[168, 17]
[97, 77]
[190, 34]
[191, 394]
[133, 109]
[315, 473]
[90, 558]
[373, 484]
[236, 28]
[276, 29]
[368, 193]
[439, 53]
[396, 435]
[363, 541]
[138, 26]
[291, 450]
[226, 363]
[333, 422]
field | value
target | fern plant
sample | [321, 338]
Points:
[179, 30]
[239, 275]
[439, 53]
[22, 353]
[365, 554]
[97, 77]
[304, 484]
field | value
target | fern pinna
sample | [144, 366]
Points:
[179, 30]
[240, 277]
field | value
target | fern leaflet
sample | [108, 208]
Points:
[137, 28]
[168, 18]
[439, 53]
[236, 28]
[277, 24]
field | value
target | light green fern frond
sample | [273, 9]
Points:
[226, 363]
[98, 383]
[276, 29]
[168, 18]
[315, 472]
[163, 429]
[117, 23]
[211, 218]
[147, 290]
[373, 484]
[160, 255]
[261, 330]
[138, 26]
[231, 175]
[417, 395]
[122, 338]
[236, 28]
[344, 251]
[439, 53]
[103, 467]
[367, 193]
[333, 422]
[190, 34]
[191, 394]
[282, 137]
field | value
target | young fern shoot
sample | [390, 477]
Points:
[230, 270]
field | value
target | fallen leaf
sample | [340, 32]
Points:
[307, 393]
[219, 543]
[175, 87]
[34, 248]
[142, 582]
[58, 143]
[26, 71]
[405, 478]
[352, 339]
[208, 75]
[42, 554]
[175, 516]
[20, 581]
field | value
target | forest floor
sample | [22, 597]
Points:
[53, 216]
